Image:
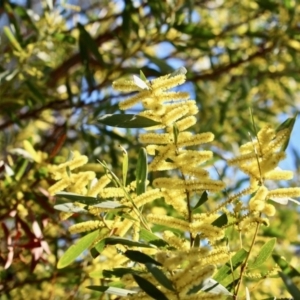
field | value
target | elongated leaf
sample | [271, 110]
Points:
[35, 92]
[124, 165]
[111, 290]
[160, 277]
[140, 83]
[141, 172]
[287, 124]
[90, 43]
[212, 286]
[221, 221]
[202, 200]
[140, 257]
[225, 271]
[119, 272]
[88, 200]
[291, 287]
[142, 76]
[285, 266]
[126, 121]
[179, 71]
[126, 242]
[151, 238]
[70, 208]
[75, 250]
[12, 38]
[78, 198]
[264, 253]
[149, 288]
[175, 132]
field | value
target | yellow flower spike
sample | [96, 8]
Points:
[125, 85]
[193, 277]
[257, 205]
[29, 148]
[98, 187]
[175, 241]
[59, 186]
[186, 123]
[112, 192]
[169, 221]
[278, 174]
[166, 82]
[197, 139]
[76, 162]
[147, 197]
[241, 159]
[173, 96]
[156, 138]
[128, 103]
[284, 193]
[269, 210]
[190, 185]
[270, 162]
[175, 114]
[150, 114]
[209, 231]
[266, 135]
[193, 158]
[85, 226]
[177, 199]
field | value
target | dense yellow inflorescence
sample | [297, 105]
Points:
[188, 264]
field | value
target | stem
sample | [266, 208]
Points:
[244, 265]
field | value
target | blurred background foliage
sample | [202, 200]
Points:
[58, 61]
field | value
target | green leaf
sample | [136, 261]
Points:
[285, 266]
[287, 124]
[35, 91]
[221, 221]
[119, 272]
[140, 257]
[179, 71]
[141, 172]
[142, 76]
[225, 271]
[117, 240]
[75, 250]
[111, 290]
[151, 238]
[264, 253]
[88, 200]
[126, 121]
[70, 207]
[175, 132]
[149, 288]
[89, 43]
[292, 288]
[160, 277]
[202, 200]
[124, 165]
[12, 39]
[77, 198]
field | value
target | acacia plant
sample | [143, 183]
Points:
[174, 232]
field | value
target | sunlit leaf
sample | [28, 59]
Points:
[264, 253]
[75, 250]
[111, 290]
[141, 172]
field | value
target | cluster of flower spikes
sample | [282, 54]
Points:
[174, 112]
[259, 159]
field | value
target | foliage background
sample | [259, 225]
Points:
[58, 60]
